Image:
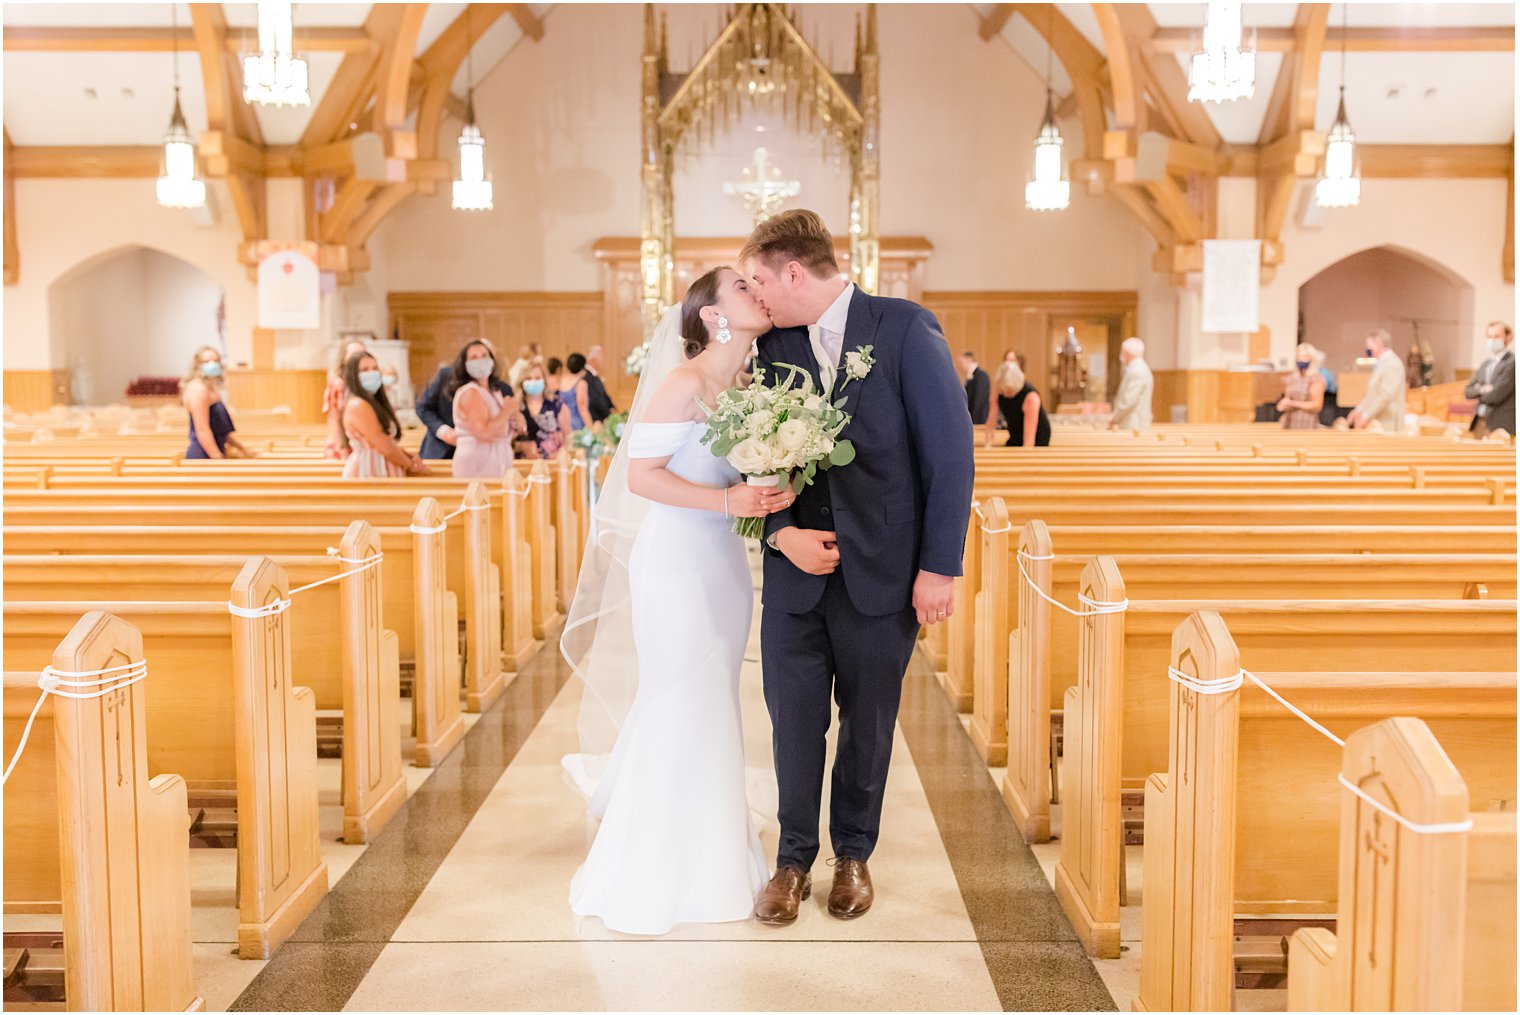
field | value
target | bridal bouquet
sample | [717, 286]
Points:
[775, 433]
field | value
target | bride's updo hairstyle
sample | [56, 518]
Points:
[703, 293]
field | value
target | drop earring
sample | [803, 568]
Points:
[724, 336]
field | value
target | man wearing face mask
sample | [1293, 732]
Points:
[1493, 385]
[1384, 402]
[435, 406]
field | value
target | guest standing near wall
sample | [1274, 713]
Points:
[1384, 402]
[210, 423]
[598, 402]
[1496, 394]
[1303, 392]
[978, 393]
[1132, 403]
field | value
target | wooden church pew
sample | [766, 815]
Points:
[1425, 922]
[340, 649]
[1116, 716]
[1242, 826]
[89, 835]
[1023, 675]
[275, 531]
[222, 711]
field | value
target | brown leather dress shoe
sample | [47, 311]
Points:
[852, 893]
[780, 900]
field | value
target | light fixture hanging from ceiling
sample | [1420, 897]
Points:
[1222, 72]
[1047, 191]
[178, 186]
[1340, 186]
[472, 191]
[275, 76]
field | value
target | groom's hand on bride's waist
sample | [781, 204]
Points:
[812, 550]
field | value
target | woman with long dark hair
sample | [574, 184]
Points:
[370, 425]
[485, 420]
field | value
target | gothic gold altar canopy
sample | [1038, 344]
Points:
[759, 60]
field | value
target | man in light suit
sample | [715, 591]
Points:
[1384, 401]
[1132, 402]
[1496, 391]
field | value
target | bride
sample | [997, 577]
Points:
[657, 633]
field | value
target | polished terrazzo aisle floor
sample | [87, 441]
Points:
[463, 904]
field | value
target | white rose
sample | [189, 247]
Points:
[814, 403]
[792, 434]
[751, 457]
[855, 364]
[760, 421]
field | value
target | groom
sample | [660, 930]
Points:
[864, 556]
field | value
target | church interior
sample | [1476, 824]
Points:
[1223, 716]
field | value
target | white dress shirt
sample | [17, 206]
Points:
[827, 336]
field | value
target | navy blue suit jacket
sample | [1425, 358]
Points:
[902, 506]
[435, 411]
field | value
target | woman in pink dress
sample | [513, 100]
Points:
[484, 419]
[370, 425]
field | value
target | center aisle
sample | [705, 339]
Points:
[492, 928]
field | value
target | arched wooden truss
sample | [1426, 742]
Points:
[1161, 157]
[676, 107]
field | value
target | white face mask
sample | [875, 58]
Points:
[1495, 346]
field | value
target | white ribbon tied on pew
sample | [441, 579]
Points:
[423, 530]
[1094, 607]
[1235, 682]
[278, 606]
[99, 682]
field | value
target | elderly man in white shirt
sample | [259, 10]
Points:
[1384, 401]
[1132, 403]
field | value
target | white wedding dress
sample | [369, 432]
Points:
[677, 842]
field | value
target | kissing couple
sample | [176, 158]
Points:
[854, 564]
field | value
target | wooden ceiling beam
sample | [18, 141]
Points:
[1129, 101]
[28, 39]
[1358, 40]
[993, 23]
[209, 27]
[393, 81]
[353, 85]
[387, 200]
[28, 162]
[1435, 161]
[526, 20]
[1164, 79]
[440, 63]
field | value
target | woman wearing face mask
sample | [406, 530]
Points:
[210, 423]
[332, 404]
[547, 415]
[484, 419]
[1303, 392]
[370, 425]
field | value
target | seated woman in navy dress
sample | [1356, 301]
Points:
[210, 423]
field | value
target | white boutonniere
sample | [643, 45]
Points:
[858, 363]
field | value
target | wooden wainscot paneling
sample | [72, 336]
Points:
[990, 323]
[300, 390]
[1211, 396]
[36, 390]
[437, 324]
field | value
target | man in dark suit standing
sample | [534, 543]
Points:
[1495, 389]
[598, 402]
[978, 388]
[866, 554]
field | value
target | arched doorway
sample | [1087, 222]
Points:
[128, 313]
[1411, 296]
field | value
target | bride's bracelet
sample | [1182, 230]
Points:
[725, 503]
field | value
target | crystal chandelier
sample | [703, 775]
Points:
[1339, 187]
[1047, 191]
[1223, 72]
[472, 191]
[178, 187]
[275, 76]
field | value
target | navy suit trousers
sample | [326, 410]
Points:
[859, 660]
